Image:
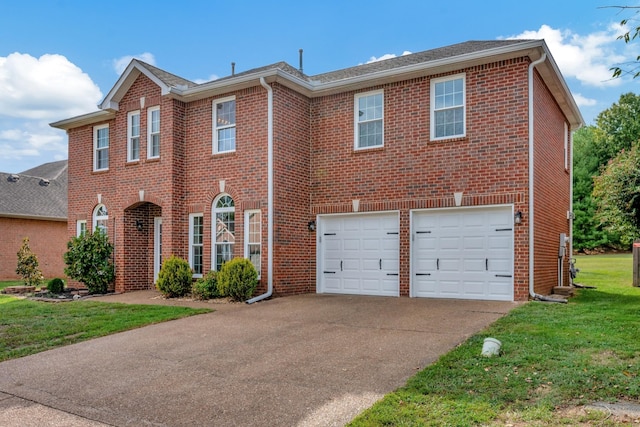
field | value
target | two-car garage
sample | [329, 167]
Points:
[464, 253]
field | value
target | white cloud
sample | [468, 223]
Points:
[34, 92]
[583, 101]
[587, 58]
[386, 56]
[120, 64]
[45, 88]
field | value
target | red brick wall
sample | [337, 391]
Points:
[551, 189]
[243, 171]
[317, 171]
[47, 239]
[489, 165]
[294, 257]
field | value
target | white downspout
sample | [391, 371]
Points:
[570, 203]
[531, 182]
[269, 194]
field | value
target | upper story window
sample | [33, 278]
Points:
[566, 146]
[223, 229]
[100, 219]
[153, 126]
[224, 125]
[448, 103]
[133, 136]
[101, 148]
[369, 116]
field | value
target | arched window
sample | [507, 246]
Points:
[100, 219]
[223, 230]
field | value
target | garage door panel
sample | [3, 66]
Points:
[371, 244]
[474, 265]
[464, 250]
[367, 253]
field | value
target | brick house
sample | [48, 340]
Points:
[33, 204]
[444, 174]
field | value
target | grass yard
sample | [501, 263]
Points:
[555, 358]
[28, 327]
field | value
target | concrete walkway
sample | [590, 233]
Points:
[308, 360]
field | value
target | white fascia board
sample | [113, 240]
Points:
[219, 87]
[85, 119]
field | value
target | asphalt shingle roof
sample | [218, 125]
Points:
[37, 192]
[426, 56]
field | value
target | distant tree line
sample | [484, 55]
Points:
[606, 179]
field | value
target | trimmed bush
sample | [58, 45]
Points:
[237, 279]
[55, 286]
[206, 287]
[174, 278]
[89, 261]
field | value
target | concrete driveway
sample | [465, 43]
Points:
[303, 360]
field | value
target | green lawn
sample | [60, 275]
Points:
[555, 357]
[28, 327]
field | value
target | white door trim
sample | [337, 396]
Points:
[157, 246]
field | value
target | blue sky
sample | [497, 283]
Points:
[59, 58]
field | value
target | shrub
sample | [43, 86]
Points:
[206, 287]
[28, 265]
[55, 286]
[89, 261]
[174, 278]
[237, 279]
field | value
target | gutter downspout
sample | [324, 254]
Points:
[531, 182]
[269, 195]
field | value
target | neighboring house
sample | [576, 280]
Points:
[441, 174]
[33, 204]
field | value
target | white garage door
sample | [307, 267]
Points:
[358, 254]
[463, 253]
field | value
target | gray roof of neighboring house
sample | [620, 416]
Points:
[39, 193]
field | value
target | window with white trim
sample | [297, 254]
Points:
[81, 227]
[133, 136]
[224, 125]
[153, 130]
[253, 237]
[223, 229]
[566, 146]
[100, 219]
[196, 240]
[101, 148]
[448, 104]
[369, 119]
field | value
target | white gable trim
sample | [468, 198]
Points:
[130, 74]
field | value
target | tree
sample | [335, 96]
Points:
[617, 191]
[628, 37]
[28, 265]
[587, 232]
[618, 127]
[89, 261]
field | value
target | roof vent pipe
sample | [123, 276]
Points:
[233, 68]
[300, 51]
